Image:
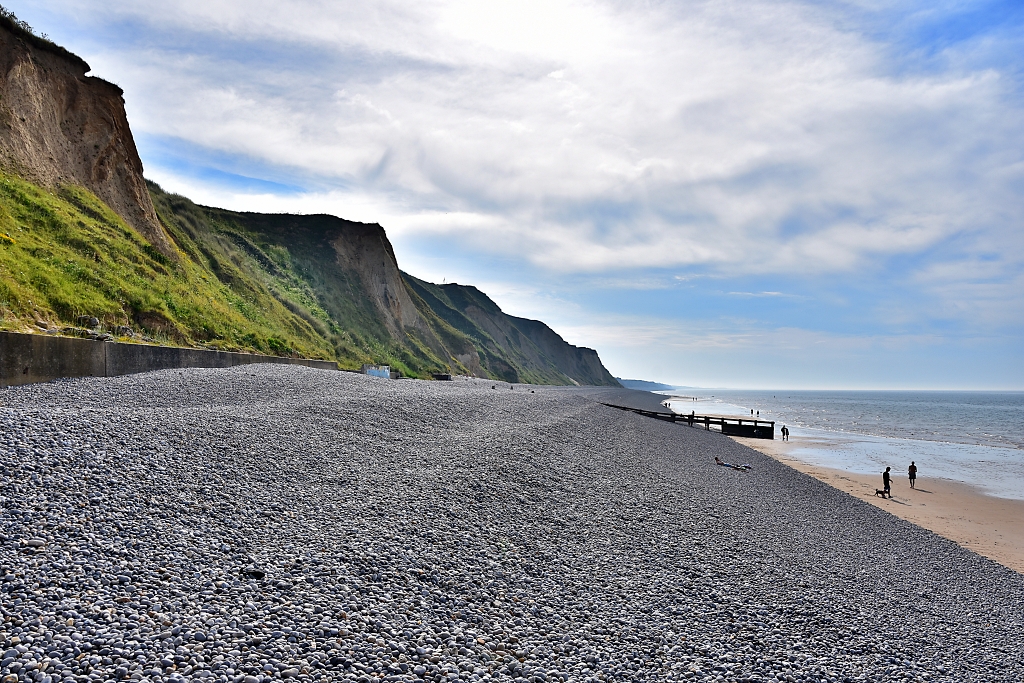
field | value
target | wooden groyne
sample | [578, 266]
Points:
[730, 426]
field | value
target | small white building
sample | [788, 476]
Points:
[377, 370]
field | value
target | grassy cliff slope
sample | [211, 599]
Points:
[338, 276]
[65, 254]
[311, 286]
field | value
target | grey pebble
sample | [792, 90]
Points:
[273, 522]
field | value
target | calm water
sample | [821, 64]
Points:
[974, 437]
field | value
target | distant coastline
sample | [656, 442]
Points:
[644, 385]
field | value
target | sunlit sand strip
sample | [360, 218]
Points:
[990, 526]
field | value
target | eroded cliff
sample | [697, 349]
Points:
[364, 249]
[349, 273]
[59, 127]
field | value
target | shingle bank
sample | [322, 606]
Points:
[272, 522]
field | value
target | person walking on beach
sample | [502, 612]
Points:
[886, 484]
[912, 473]
[785, 433]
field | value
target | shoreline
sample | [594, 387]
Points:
[984, 524]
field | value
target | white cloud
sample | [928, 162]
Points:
[590, 137]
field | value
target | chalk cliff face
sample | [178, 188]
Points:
[61, 127]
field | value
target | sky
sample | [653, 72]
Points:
[747, 194]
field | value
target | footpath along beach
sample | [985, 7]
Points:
[280, 522]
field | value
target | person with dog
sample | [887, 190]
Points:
[912, 473]
[886, 483]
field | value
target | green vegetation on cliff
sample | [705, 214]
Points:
[311, 286]
[298, 263]
[510, 348]
[65, 254]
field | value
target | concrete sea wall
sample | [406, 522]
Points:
[29, 358]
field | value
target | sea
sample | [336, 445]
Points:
[972, 437]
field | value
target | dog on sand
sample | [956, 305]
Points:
[880, 492]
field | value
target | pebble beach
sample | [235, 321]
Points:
[280, 522]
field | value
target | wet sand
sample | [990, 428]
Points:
[990, 526]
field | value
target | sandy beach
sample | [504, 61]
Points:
[990, 526]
